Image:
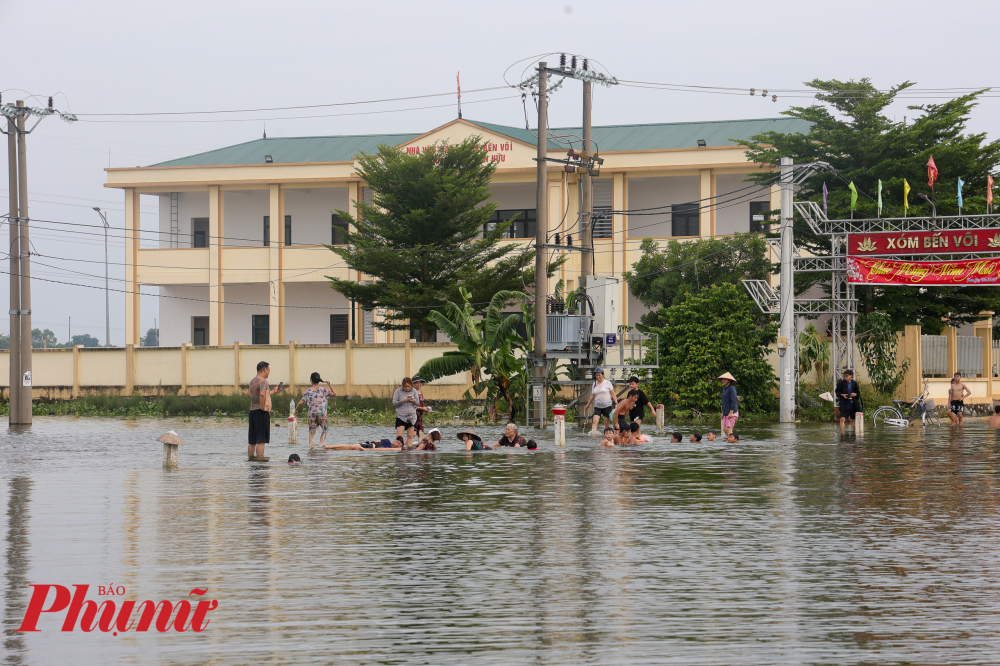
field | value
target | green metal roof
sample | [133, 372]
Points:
[292, 150]
[656, 136]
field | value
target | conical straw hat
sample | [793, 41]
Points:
[170, 437]
[728, 376]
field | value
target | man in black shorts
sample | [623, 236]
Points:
[847, 398]
[622, 411]
[260, 411]
[957, 393]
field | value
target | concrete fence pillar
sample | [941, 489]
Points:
[292, 370]
[951, 334]
[909, 347]
[236, 371]
[184, 367]
[408, 356]
[984, 330]
[129, 368]
[76, 370]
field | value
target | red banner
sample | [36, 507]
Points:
[923, 242]
[984, 272]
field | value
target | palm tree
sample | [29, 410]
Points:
[490, 348]
[814, 352]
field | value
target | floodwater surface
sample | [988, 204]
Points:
[799, 545]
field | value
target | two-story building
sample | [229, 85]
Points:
[240, 252]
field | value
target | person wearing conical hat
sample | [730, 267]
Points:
[730, 407]
[473, 442]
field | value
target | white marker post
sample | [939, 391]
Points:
[293, 432]
[559, 424]
[659, 418]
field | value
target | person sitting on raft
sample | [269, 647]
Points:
[473, 442]
[367, 446]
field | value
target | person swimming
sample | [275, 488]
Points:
[366, 446]
[427, 442]
[609, 437]
[473, 442]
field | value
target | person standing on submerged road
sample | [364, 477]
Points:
[260, 411]
[405, 400]
[957, 393]
[847, 398]
[603, 395]
[730, 406]
[317, 399]
[418, 386]
[641, 404]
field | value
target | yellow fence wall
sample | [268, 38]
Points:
[375, 369]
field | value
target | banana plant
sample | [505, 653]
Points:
[490, 348]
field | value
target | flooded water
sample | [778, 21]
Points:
[798, 545]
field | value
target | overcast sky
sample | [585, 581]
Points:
[116, 57]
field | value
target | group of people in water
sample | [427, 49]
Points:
[410, 405]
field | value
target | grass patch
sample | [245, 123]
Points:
[352, 410]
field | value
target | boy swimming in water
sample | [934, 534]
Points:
[609, 437]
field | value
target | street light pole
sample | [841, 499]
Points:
[107, 297]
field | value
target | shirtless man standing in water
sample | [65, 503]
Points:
[956, 396]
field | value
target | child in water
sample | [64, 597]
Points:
[609, 437]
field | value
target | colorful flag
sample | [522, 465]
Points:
[960, 183]
[854, 195]
[989, 192]
[932, 172]
[825, 193]
[906, 196]
[880, 198]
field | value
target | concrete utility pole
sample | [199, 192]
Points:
[786, 328]
[24, 343]
[586, 194]
[107, 298]
[541, 231]
[13, 394]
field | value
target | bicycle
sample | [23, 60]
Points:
[922, 408]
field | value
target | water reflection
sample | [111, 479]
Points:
[803, 545]
[17, 589]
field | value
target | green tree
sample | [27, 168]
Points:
[151, 339]
[46, 338]
[877, 343]
[488, 347]
[85, 340]
[709, 333]
[4, 342]
[851, 131]
[666, 276]
[422, 236]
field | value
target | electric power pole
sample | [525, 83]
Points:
[586, 194]
[786, 328]
[541, 231]
[13, 393]
[20, 254]
[23, 414]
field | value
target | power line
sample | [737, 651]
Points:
[326, 115]
[290, 108]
